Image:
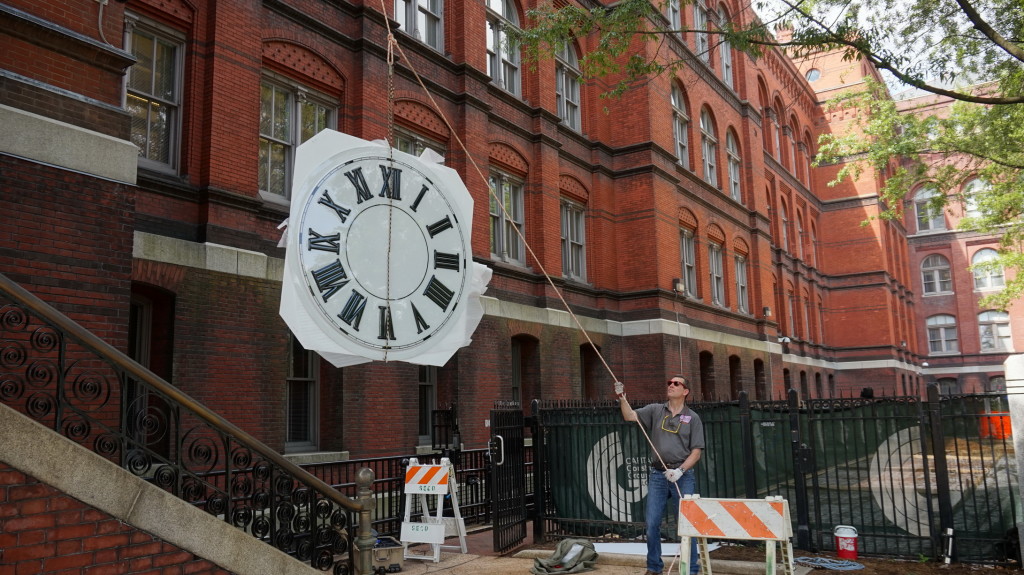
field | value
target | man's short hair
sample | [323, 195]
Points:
[686, 382]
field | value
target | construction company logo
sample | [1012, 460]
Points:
[616, 483]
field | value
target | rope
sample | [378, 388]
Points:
[826, 563]
[392, 42]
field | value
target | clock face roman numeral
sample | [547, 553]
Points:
[359, 183]
[438, 293]
[352, 314]
[323, 243]
[330, 278]
[392, 187]
[439, 226]
[387, 327]
[326, 200]
[446, 261]
[421, 324]
[415, 205]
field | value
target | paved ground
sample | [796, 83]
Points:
[482, 560]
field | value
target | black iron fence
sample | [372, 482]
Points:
[906, 473]
[472, 474]
[62, 376]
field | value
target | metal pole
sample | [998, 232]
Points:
[365, 541]
[800, 464]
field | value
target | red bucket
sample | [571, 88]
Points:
[846, 541]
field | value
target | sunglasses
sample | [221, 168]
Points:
[679, 383]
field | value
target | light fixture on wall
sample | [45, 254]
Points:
[903, 343]
[679, 287]
[784, 339]
[766, 311]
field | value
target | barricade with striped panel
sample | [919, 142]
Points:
[421, 482]
[744, 519]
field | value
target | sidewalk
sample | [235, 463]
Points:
[481, 559]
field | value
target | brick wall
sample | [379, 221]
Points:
[44, 531]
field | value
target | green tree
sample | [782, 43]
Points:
[971, 52]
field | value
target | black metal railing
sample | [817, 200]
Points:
[66, 378]
[472, 476]
[905, 471]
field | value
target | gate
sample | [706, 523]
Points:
[508, 476]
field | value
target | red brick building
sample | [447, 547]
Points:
[146, 166]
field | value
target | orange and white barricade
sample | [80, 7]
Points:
[744, 519]
[421, 482]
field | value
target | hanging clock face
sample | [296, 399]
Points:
[383, 250]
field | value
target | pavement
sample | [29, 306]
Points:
[481, 559]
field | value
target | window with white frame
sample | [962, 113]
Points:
[806, 152]
[688, 255]
[507, 224]
[929, 217]
[427, 402]
[574, 256]
[741, 285]
[302, 399]
[412, 143]
[935, 275]
[567, 87]
[725, 49]
[700, 25]
[942, 336]
[680, 127]
[799, 236]
[732, 151]
[776, 127]
[423, 20]
[715, 272]
[289, 115]
[784, 227]
[986, 275]
[792, 145]
[994, 329]
[970, 194]
[709, 148]
[153, 98]
[502, 57]
[672, 13]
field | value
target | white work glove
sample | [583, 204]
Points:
[619, 389]
[673, 474]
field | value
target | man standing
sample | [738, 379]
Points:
[677, 435]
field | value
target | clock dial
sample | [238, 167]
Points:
[383, 252]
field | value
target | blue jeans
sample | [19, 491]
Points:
[661, 491]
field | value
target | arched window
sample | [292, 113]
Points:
[928, 217]
[709, 148]
[986, 275]
[502, 58]
[799, 235]
[807, 153]
[732, 150]
[567, 87]
[700, 25]
[680, 126]
[725, 49]
[942, 334]
[994, 329]
[935, 276]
